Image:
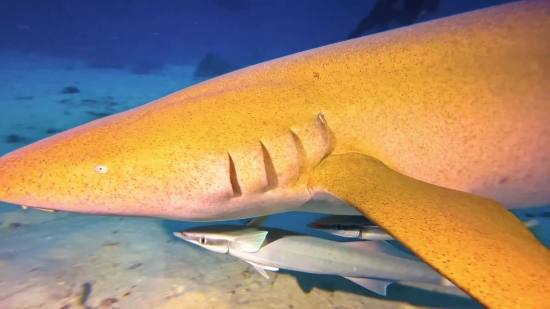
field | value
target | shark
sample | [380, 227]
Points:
[433, 132]
[373, 265]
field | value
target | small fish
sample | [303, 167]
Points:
[372, 264]
[362, 228]
[350, 227]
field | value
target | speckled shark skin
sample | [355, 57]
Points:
[454, 112]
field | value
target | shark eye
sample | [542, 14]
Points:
[102, 169]
[202, 240]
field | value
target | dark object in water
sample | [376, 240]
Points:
[107, 303]
[110, 244]
[383, 12]
[98, 114]
[14, 225]
[544, 214]
[14, 138]
[24, 98]
[84, 293]
[212, 66]
[53, 131]
[70, 89]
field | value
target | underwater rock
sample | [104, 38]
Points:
[98, 114]
[212, 66]
[14, 138]
[246, 274]
[14, 225]
[106, 103]
[70, 89]
[83, 293]
[53, 131]
[107, 303]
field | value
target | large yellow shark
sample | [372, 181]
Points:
[427, 130]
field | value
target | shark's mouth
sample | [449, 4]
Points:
[40, 208]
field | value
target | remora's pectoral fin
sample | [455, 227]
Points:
[261, 268]
[473, 241]
[375, 285]
[250, 242]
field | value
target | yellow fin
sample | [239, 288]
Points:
[475, 242]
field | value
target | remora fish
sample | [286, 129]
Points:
[442, 124]
[350, 227]
[362, 228]
[371, 264]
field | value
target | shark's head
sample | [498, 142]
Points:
[186, 156]
[219, 238]
[218, 150]
[127, 164]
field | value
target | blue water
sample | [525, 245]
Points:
[66, 62]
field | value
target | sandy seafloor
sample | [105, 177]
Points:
[60, 260]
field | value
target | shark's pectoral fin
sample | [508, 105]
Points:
[250, 242]
[375, 285]
[261, 268]
[473, 241]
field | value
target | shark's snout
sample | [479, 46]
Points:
[48, 175]
[18, 181]
[180, 235]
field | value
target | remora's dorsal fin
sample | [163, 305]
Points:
[250, 242]
[474, 242]
[257, 222]
[380, 246]
[375, 285]
[261, 268]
